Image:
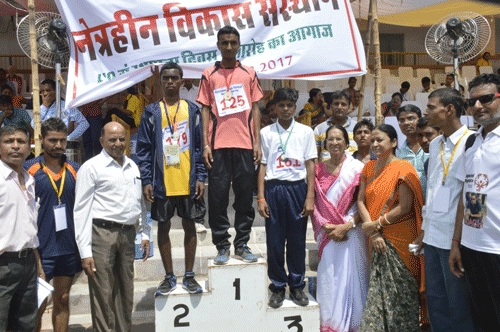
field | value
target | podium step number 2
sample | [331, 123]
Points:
[235, 299]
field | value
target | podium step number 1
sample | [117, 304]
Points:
[235, 299]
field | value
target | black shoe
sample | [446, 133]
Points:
[190, 284]
[167, 285]
[277, 298]
[298, 297]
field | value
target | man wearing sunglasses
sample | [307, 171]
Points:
[475, 251]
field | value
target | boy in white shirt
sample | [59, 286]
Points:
[285, 199]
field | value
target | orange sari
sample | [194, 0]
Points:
[382, 194]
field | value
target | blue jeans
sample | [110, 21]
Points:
[447, 297]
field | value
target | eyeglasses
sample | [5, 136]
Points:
[485, 99]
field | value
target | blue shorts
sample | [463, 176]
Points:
[61, 266]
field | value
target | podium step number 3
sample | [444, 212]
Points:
[235, 299]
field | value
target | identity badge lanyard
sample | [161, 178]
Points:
[283, 147]
[171, 152]
[228, 95]
[60, 209]
[447, 167]
[172, 122]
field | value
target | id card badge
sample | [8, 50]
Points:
[441, 201]
[172, 154]
[60, 217]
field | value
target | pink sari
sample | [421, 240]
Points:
[325, 212]
[343, 269]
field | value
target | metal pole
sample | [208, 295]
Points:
[455, 65]
[58, 84]
[34, 76]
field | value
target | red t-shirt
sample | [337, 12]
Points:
[230, 124]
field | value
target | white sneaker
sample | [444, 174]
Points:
[200, 228]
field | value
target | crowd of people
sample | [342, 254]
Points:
[375, 208]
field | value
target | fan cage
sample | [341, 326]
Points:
[46, 56]
[474, 39]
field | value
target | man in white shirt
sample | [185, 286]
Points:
[73, 118]
[189, 91]
[339, 106]
[108, 211]
[475, 251]
[19, 260]
[447, 298]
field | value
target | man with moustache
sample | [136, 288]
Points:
[475, 249]
[108, 212]
[19, 260]
[73, 118]
[55, 179]
[447, 298]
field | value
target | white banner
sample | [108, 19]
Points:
[114, 43]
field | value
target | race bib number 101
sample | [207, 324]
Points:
[236, 104]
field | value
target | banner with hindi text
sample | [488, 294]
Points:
[114, 43]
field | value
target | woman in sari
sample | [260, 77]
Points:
[390, 203]
[343, 248]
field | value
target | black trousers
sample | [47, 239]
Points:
[18, 293]
[236, 166]
[482, 276]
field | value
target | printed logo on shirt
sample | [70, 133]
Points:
[475, 209]
[481, 181]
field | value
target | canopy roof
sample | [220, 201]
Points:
[419, 13]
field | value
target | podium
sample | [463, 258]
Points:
[234, 298]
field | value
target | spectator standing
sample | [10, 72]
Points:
[447, 298]
[404, 90]
[19, 260]
[13, 77]
[93, 114]
[339, 107]
[55, 179]
[316, 107]
[426, 85]
[13, 116]
[4, 80]
[408, 117]
[189, 91]
[73, 118]
[362, 136]
[475, 248]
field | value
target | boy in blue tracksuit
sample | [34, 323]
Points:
[169, 150]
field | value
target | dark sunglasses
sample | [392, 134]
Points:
[485, 99]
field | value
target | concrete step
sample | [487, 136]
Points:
[152, 269]
[143, 310]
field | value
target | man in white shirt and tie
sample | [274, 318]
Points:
[19, 260]
[108, 211]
